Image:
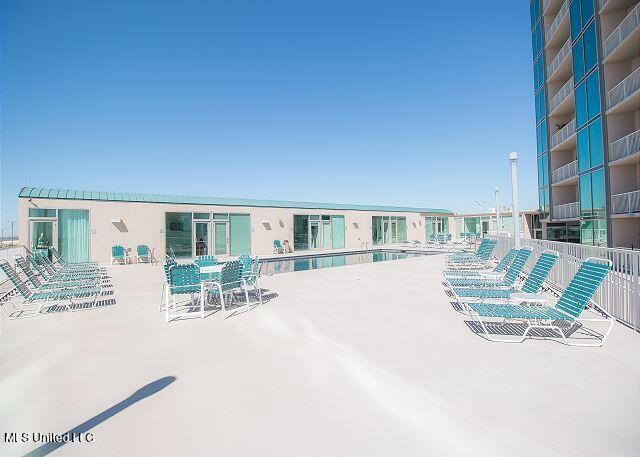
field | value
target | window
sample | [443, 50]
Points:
[376, 229]
[596, 155]
[583, 150]
[41, 212]
[586, 232]
[586, 11]
[598, 193]
[593, 95]
[239, 234]
[543, 197]
[540, 104]
[541, 137]
[586, 205]
[576, 21]
[590, 48]
[220, 216]
[178, 234]
[534, 8]
[581, 104]
[578, 60]
[300, 233]
[536, 40]
[538, 73]
[201, 216]
[543, 171]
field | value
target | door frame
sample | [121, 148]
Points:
[213, 236]
[194, 240]
[54, 230]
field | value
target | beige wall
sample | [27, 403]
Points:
[144, 223]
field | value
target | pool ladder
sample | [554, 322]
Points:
[366, 245]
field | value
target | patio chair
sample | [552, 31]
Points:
[61, 262]
[118, 254]
[532, 285]
[206, 261]
[29, 303]
[250, 274]
[229, 281]
[277, 247]
[183, 280]
[143, 254]
[509, 278]
[48, 270]
[501, 267]
[69, 269]
[562, 319]
[478, 260]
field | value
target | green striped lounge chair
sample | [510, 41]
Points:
[61, 262]
[513, 272]
[562, 319]
[481, 259]
[467, 254]
[119, 255]
[143, 254]
[184, 280]
[532, 285]
[48, 272]
[501, 267]
[25, 302]
[70, 269]
[36, 282]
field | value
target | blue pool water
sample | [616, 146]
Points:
[314, 262]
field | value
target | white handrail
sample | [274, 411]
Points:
[626, 27]
[564, 133]
[625, 146]
[563, 93]
[626, 203]
[566, 211]
[564, 51]
[557, 21]
[624, 88]
[565, 172]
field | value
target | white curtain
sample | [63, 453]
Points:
[73, 235]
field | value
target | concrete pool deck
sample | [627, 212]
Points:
[362, 360]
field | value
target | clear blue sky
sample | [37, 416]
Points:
[401, 103]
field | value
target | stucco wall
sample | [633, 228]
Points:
[144, 223]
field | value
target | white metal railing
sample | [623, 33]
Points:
[564, 133]
[624, 88]
[545, 5]
[566, 211]
[626, 27]
[565, 172]
[626, 203]
[564, 51]
[8, 253]
[619, 293]
[625, 146]
[556, 22]
[563, 93]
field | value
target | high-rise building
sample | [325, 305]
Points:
[586, 67]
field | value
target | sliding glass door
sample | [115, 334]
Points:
[73, 235]
[318, 232]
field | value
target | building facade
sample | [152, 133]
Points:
[586, 68]
[461, 225]
[84, 225]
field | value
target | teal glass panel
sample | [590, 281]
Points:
[402, 230]
[577, 54]
[42, 212]
[472, 224]
[586, 11]
[590, 47]
[220, 238]
[300, 232]
[239, 234]
[593, 95]
[583, 150]
[600, 232]
[534, 11]
[575, 17]
[596, 153]
[337, 231]
[376, 229]
[220, 216]
[541, 137]
[581, 105]
[540, 174]
[201, 215]
[430, 224]
[598, 193]
[545, 170]
[540, 104]
[586, 232]
[314, 217]
[459, 227]
[445, 225]
[585, 195]
[202, 238]
[178, 234]
[326, 235]
[73, 235]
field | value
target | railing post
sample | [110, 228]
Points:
[635, 299]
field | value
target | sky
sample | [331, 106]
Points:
[409, 103]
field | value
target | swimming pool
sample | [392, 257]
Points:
[314, 262]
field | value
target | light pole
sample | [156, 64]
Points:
[513, 158]
[12, 222]
[498, 226]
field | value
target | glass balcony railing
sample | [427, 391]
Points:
[625, 88]
[557, 21]
[625, 146]
[563, 93]
[626, 28]
[566, 211]
[564, 51]
[626, 203]
[565, 172]
[564, 133]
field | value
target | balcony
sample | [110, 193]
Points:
[626, 95]
[627, 203]
[558, 31]
[563, 134]
[566, 211]
[623, 41]
[625, 147]
[559, 60]
[565, 172]
[560, 97]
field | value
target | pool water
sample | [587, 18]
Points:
[314, 262]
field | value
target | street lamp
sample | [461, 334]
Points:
[513, 159]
